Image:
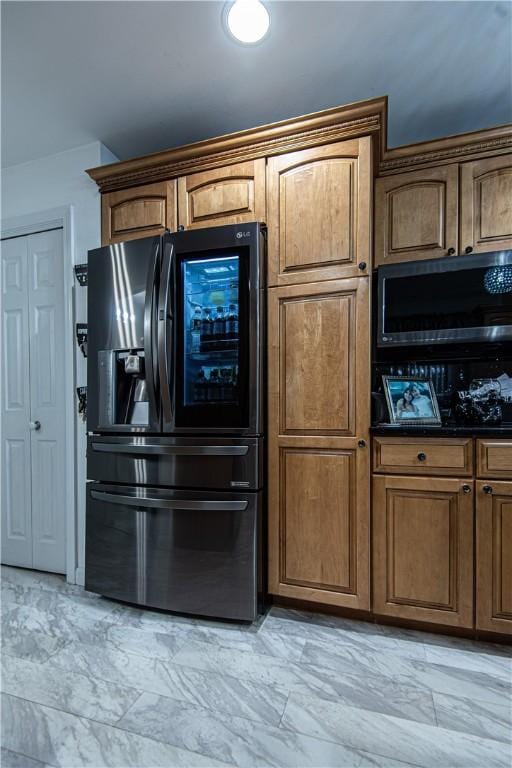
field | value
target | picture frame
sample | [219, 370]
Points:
[407, 407]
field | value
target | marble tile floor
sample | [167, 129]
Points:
[90, 682]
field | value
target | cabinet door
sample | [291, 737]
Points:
[319, 521]
[319, 213]
[138, 212]
[493, 556]
[486, 204]
[318, 367]
[229, 195]
[318, 432]
[423, 549]
[416, 215]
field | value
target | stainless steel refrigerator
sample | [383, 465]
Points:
[175, 421]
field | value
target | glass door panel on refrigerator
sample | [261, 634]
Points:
[212, 338]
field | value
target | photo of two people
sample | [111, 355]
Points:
[411, 399]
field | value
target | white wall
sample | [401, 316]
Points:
[52, 182]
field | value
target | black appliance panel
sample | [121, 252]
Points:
[122, 378]
[462, 299]
[181, 551]
[181, 462]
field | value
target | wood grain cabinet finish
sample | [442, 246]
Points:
[486, 204]
[493, 556]
[319, 213]
[416, 215]
[138, 212]
[229, 195]
[433, 456]
[494, 459]
[319, 522]
[318, 364]
[318, 372]
[423, 549]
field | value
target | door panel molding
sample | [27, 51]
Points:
[61, 218]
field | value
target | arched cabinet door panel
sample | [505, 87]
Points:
[486, 204]
[137, 212]
[416, 215]
[229, 195]
[319, 213]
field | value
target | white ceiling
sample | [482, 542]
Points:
[144, 76]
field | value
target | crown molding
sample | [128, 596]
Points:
[349, 121]
[465, 146]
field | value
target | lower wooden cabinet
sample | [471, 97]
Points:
[319, 521]
[494, 556]
[423, 549]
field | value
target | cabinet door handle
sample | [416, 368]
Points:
[469, 249]
[35, 425]
[466, 488]
[422, 456]
[362, 443]
[362, 265]
[451, 251]
[487, 489]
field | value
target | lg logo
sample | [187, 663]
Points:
[243, 234]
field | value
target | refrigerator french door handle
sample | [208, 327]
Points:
[149, 334]
[173, 450]
[148, 501]
[165, 324]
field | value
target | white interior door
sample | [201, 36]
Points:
[16, 480]
[41, 482]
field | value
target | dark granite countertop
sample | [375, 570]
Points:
[444, 430]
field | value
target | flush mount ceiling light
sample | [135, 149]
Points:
[247, 20]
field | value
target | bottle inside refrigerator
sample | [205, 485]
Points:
[211, 344]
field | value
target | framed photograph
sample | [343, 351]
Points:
[411, 400]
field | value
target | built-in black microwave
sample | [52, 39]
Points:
[444, 301]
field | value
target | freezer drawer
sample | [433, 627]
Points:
[217, 463]
[182, 551]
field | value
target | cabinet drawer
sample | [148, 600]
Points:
[494, 458]
[428, 456]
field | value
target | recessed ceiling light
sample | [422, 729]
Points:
[247, 20]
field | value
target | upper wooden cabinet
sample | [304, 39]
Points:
[493, 556]
[423, 549]
[319, 358]
[453, 209]
[486, 204]
[229, 195]
[138, 212]
[416, 215]
[319, 213]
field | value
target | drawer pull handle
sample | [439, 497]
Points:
[466, 488]
[487, 489]
[451, 251]
[422, 456]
